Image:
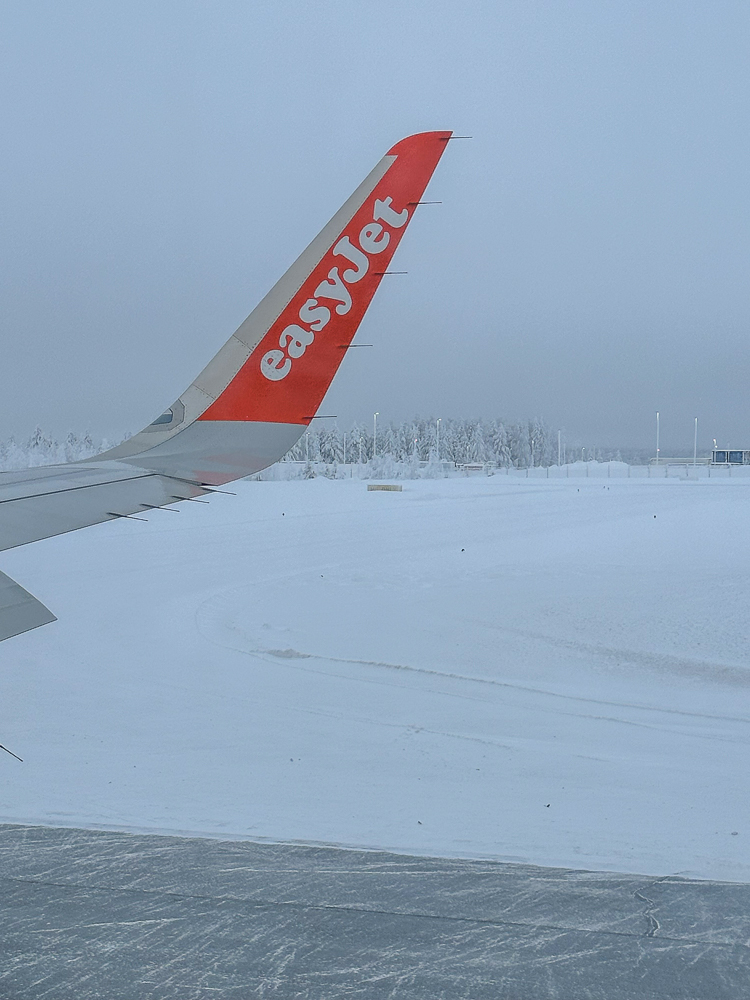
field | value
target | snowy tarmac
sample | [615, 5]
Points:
[545, 672]
[88, 915]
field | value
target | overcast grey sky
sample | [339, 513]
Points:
[164, 162]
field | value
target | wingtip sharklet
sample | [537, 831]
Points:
[254, 400]
[278, 366]
[288, 373]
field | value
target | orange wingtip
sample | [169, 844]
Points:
[287, 375]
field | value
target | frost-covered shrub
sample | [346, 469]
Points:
[43, 449]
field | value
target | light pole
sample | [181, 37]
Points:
[559, 449]
[657, 437]
[695, 444]
[375, 433]
[438, 436]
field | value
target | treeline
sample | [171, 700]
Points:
[42, 449]
[519, 445]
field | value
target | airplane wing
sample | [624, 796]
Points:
[253, 401]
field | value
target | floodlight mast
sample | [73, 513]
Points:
[695, 444]
[657, 437]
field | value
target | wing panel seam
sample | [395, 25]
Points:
[87, 486]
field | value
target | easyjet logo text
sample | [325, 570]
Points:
[314, 315]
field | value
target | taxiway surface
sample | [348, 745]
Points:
[89, 914]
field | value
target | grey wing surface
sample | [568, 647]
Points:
[39, 503]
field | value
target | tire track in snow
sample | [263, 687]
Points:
[220, 633]
[698, 669]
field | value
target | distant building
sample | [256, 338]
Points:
[725, 456]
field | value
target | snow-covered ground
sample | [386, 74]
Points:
[553, 671]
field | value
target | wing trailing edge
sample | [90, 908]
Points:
[19, 610]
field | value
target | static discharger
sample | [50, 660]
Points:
[384, 487]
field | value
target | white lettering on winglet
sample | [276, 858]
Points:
[316, 315]
[336, 290]
[345, 248]
[384, 213]
[272, 368]
[294, 340]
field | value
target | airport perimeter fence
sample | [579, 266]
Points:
[621, 470]
[386, 468]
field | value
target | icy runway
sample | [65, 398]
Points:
[87, 914]
[548, 672]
